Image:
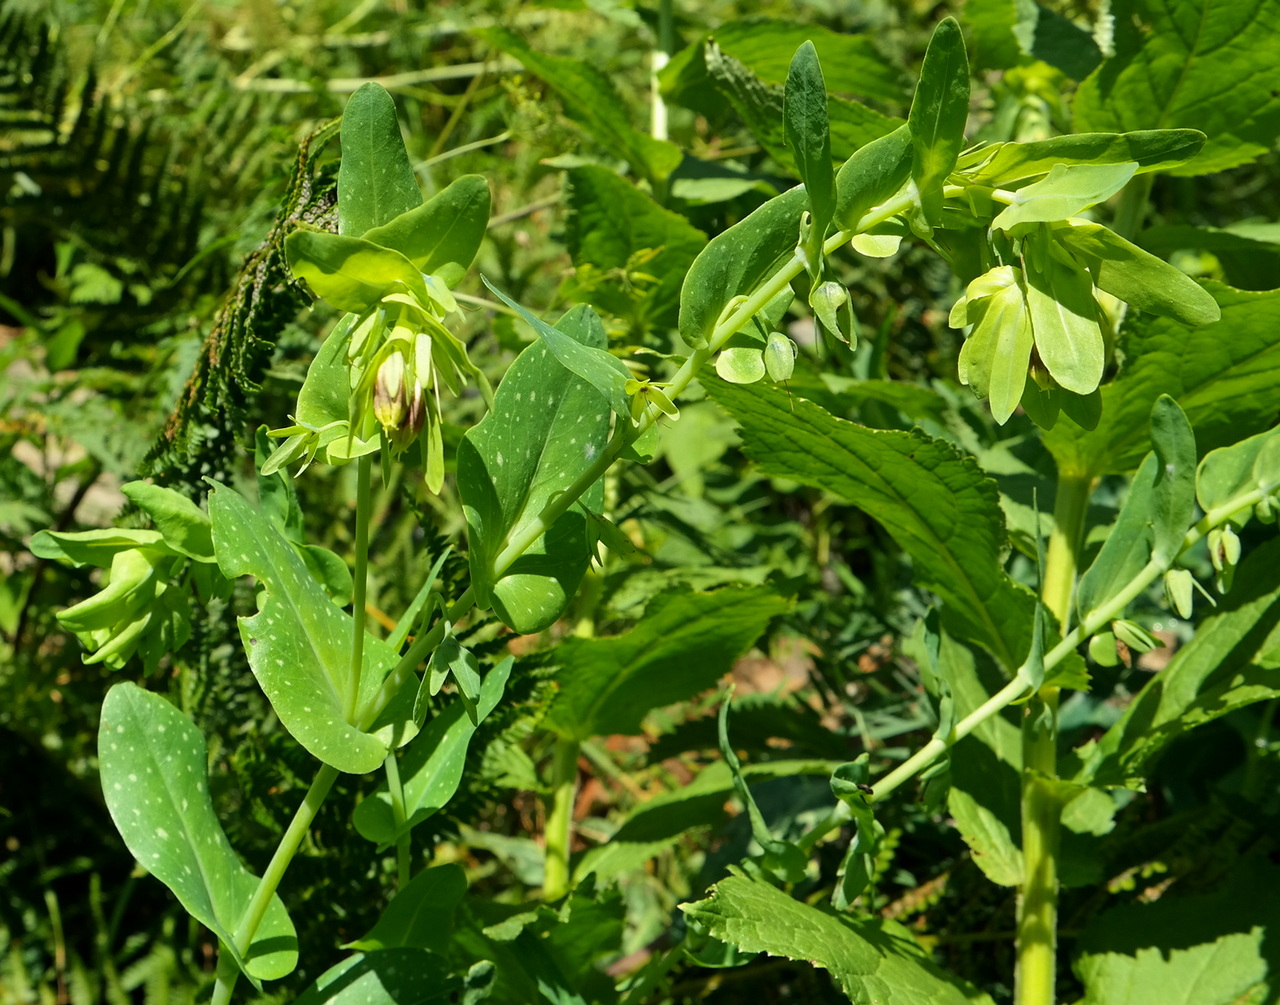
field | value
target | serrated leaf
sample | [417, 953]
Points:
[611, 222]
[591, 97]
[737, 261]
[685, 642]
[299, 643]
[1136, 277]
[938, 505]
[1207, 64]
[1067, 191]
[441, 236]
[1223, 378]
[154, 765]
[765, 46]
[1206, 949]
[547, 427]
[375, 180]
[872, 960]
[938, 113]
[351, 273]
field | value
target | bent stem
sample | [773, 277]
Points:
[559, 832]
[228, 972]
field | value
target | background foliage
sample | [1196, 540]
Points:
[150, 159]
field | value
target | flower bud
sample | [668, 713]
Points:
[1102, 649]
[779, 357]
[1178, 587]
[830, 302]
[1265, 511]
[1135, 636]
[389, 404]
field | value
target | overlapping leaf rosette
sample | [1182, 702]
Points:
[1041, 316]
[376, 382]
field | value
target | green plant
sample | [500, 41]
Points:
[1050, 304]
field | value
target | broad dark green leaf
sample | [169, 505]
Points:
[1150, 149]
[938, 113]
[1211, 65]
[1046, 35]
[611, 225]
[871, 175]
[937, 503]
[441, 236]
[808, 134]
[1215, 948]
[385, 977]
[684, 643]
[299, 643]
[351, 273]
[154, 765]
[590, 96]
[1066, 191]
[375, 180]
[1139, 279]
[421, 915]
[765, 47]
[1223, 377]
[871, 959]
[1231, 662]
[737, 261]
[547, 427]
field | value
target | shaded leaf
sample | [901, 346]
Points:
[938, 113]
[1151, 149]
[154, 765]
[421, 914]
[441, 236]
[385, 977]
[684, 643]
[350, 273]
[871, 960]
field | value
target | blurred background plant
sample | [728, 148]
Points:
[147, 325]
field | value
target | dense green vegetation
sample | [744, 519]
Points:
[652, 504]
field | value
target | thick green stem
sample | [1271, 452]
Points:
[658, 59]
[1134, 200]
[1041, 810]
[364, 477]
[270, 882]
[564, 779]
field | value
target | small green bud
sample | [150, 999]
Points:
[1135, 636]
[1102, 649]
[1265, 511]
[830, 302]
[740, 365]
[1179, 587]
[779, 357]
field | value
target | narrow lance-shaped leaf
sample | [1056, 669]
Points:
[1150, 149]
[938, 113]
[154, 765]
[809, 137]
[375, 180]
